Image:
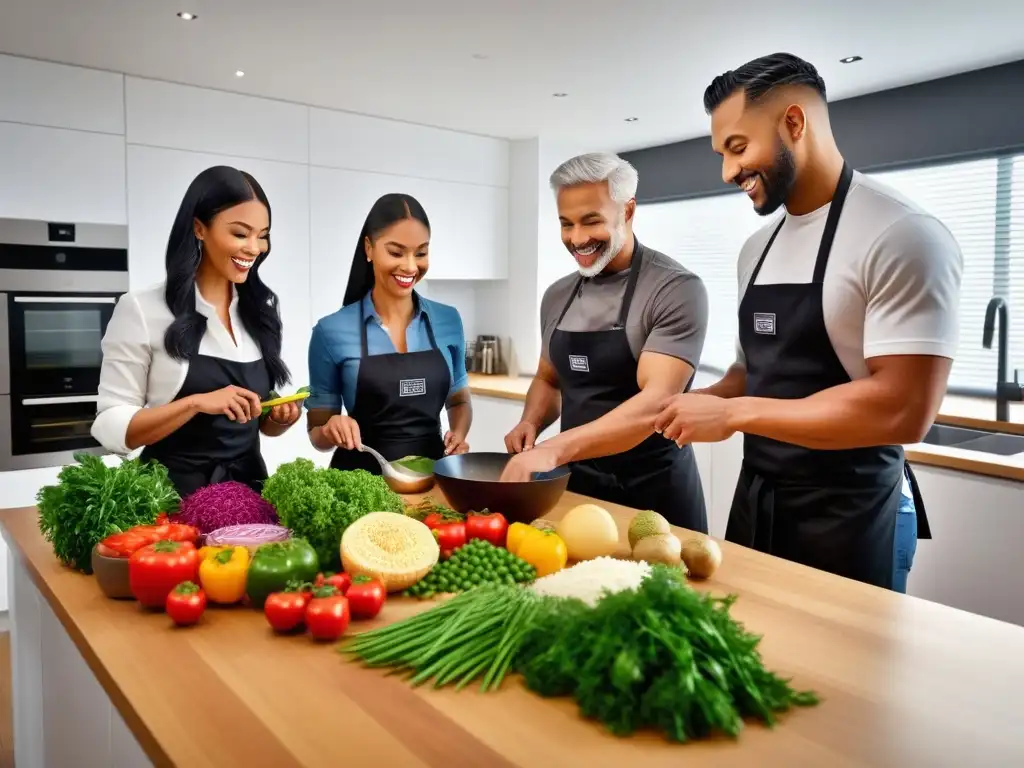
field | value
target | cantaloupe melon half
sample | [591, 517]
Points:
[391, 547]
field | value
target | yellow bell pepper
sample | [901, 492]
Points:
[545, 551]
[516, 535]
[222, 573]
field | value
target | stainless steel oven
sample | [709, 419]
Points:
[59, 283]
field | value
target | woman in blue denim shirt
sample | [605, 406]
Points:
[389, 357]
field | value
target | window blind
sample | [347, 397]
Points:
[705, 236]
[980, 201]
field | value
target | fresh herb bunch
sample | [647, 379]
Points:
[475, 634]
[92, 501]
[476, 562]
[663, 656]
[319, 504]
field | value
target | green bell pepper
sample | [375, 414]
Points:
[274, 565]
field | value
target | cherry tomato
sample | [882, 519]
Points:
[366, 597]
[285, 610]
[450, 536]
[185, 604]
[340, 581]
[489, 526]
[327, 614]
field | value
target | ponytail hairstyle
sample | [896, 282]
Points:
[212, 191]
[387, 211]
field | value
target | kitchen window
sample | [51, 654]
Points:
[980, 200]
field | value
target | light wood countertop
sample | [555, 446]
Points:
[959, 411]
[903, 681]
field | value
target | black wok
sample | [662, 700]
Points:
[470, 483]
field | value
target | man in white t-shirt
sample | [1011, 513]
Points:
[848, 323]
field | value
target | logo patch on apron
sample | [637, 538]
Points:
[412, 387]
[579, 363]
[764, 323]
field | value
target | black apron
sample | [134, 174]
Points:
[596, 374]
[213, 449]
[399, 397]
[831, 510]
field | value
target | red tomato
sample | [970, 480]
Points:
[489, 526]
[285, 610]
[450, 536]
[156, 569]
[127, 543]
[366, 597]
[327, 614]
[340, 581]
[123, 544]
[185, 604]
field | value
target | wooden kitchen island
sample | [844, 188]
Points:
[904, 682]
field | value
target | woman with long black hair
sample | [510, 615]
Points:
[389, 357]
[187, 363]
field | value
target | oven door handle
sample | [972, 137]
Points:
[65, 299]
[70, 400]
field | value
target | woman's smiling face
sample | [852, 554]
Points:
[400, 256]
[235, 239]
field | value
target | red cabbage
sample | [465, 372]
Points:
[222, 504]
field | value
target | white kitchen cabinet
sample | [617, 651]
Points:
[59, 96]
[163, 114]
[493, 418]
[55, 174]
[339, 201]
[157, 180]
[471, 225]
[363, 143]
[468, 237]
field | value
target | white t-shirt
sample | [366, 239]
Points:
[892, 285]
[138, 373]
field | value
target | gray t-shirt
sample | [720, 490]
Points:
[668, 315]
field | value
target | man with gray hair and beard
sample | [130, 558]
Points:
[619, 336]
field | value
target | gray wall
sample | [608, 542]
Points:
[975, 113]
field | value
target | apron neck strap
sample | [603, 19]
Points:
[831, 224]
[363, 319]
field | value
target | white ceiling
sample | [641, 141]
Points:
[423, 60]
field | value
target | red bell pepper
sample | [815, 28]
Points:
[489, 526]
[158, 568]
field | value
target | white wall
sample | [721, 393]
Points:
[87, 146]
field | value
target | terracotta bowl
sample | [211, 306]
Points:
[112, 576]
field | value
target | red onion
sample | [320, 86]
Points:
[246, 535]
[222, 504]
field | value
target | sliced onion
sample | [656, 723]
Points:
[250, 535]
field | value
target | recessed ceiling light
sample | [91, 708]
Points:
[851, 59]
[239, 73]
[186, 16]
[632, 119]
[559, 95]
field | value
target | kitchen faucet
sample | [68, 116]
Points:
[1006, 391]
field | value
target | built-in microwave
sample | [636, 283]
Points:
[58, 286]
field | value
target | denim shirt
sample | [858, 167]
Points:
[335, 348]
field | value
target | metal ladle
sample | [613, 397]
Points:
[403, 480]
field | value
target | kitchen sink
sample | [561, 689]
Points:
[975, 440]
